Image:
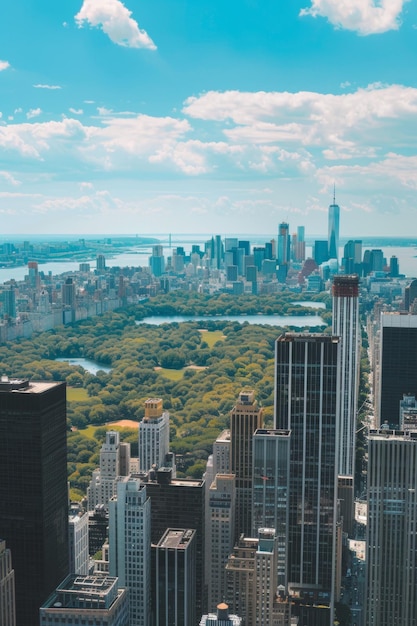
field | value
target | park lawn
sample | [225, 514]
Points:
[77, 394]
[212, 336]
[171, 374]
[89, 432]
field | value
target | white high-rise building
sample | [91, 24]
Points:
[153, 435]
[346, 325]
[391, 572]
[220, 530]
[114, 462]
[78, 541]
[221, 453]
[130, 546]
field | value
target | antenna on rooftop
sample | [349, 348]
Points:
[334, 193]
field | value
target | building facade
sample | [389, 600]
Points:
[153, 435]
[307, 369]
[271, 476]
[33, 489]
[333, 230]
[79, 559]
[245, 417]
[346, 324]
[80, 600]
[130, 546]
[398, 365]
[220, 532]
[391, 572]
[173, 578]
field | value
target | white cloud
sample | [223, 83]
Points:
[76, 111]
[103, 111]
[358, 124]
[52, 87]
[33, 113]
[4, 65]
[9, 178]
[116, 21]
[366, 17]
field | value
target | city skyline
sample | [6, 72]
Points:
[122, 117]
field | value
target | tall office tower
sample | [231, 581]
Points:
[230, 243]
[33, 275]
[157, 260]
[307, 370]
[218, 252]
[94, 600]
[178, 260]
[258, 257]
[300, 251]
[284, 244]
[320, 251]
[98, 522]
[245, 418]
[7, 593]
[221, 618]
[251, 573]
[346, 324]
[33, 489]
[79, 561]
[333, 230]
[391, 572]
[114, 462]
[173, 578]
[410, 295]
[398, 365]
[220, 532]
[130, 546]
[9, 302]
[179, 504]
[377, 261]
[68, 293]
[221, 453]
[271, 476]
[352, 257]
[100, 262]
[394, 267]
[153, 435]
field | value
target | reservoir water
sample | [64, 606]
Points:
[90, 366]
[297, 321]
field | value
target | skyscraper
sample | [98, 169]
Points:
[78, 541]
[271, 476]
[114, 462]
[391, 573]
[284, 244]
[179, 504]
[333, 230]
[307, 403]
[130, 546]
[153, 435]
[398, 365]
[346, 324]
[33, 489]
[245, 417]
[173, 580]
[220, 531]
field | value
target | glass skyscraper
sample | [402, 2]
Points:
[307, 403]
[333, 238]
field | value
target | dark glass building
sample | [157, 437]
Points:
[173, 579]
[307, 403]
[398, 365]
[179, 503]
[33, 489]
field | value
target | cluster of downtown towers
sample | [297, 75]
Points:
[292, 490]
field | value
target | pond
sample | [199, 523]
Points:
[89, 365]
[298, 321]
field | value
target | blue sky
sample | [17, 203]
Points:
[208, 116]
